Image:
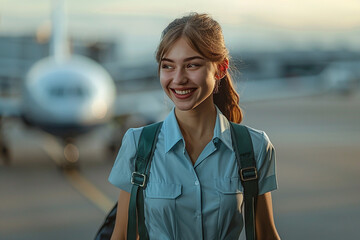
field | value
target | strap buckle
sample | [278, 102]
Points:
[138, 179]
[248, 174]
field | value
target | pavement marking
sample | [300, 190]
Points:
[53, 149]
[75, 178]
[88, 190]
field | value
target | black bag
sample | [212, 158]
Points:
[107, 227]
[146, 148]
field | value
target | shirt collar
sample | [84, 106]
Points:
[222, 129]
[173, 133]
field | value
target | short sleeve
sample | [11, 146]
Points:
[124, 165]
[266, 166]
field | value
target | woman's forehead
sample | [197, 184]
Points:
[180, 50]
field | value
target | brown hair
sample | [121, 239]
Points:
[205, 36]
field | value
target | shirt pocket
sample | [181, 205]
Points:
[230, 192]
[229, 185]
[160, 190]
[160, 202]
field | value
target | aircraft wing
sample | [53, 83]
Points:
[279, 88]
[339, 76]
[153, 104]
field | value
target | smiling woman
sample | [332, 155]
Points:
[204, 46]
[186, 77]
[195, 186]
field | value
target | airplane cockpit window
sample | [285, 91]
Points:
[67, 92]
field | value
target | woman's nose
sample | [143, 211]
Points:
[180, 76]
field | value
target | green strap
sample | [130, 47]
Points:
[244, 152]
[139, 179]
[243, 148]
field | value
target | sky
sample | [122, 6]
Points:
[253, 25]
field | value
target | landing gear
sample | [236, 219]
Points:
[4, 148]
[71, 155]
[5, 155]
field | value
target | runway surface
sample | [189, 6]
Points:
[317, 142]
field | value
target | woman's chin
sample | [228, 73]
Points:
[183, 108]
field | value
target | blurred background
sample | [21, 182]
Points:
[75, 76]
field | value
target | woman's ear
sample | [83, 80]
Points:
[222, 68]
[219, 76]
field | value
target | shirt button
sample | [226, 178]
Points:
[196, 182]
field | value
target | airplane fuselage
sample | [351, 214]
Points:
[69, 96]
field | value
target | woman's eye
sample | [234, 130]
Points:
[193, 65]
[166, 66]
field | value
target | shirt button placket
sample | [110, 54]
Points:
[198, 206]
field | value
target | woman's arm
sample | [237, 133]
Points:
[121, 221]
[265, 226]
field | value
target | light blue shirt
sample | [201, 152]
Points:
[200, 201]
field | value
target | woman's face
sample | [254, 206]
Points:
[187, 77]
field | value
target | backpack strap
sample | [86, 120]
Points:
[139, 179]
[244, 153]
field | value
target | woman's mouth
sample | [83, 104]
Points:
[183, 93]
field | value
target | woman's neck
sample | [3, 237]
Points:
[198, 122]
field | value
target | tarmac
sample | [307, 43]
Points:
[317, 142]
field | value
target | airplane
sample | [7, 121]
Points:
[67, 95]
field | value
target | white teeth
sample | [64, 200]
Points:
[182, 92]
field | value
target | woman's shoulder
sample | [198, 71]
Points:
[259, 139]
[257, 133]
[134, 131]
[132, 136]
